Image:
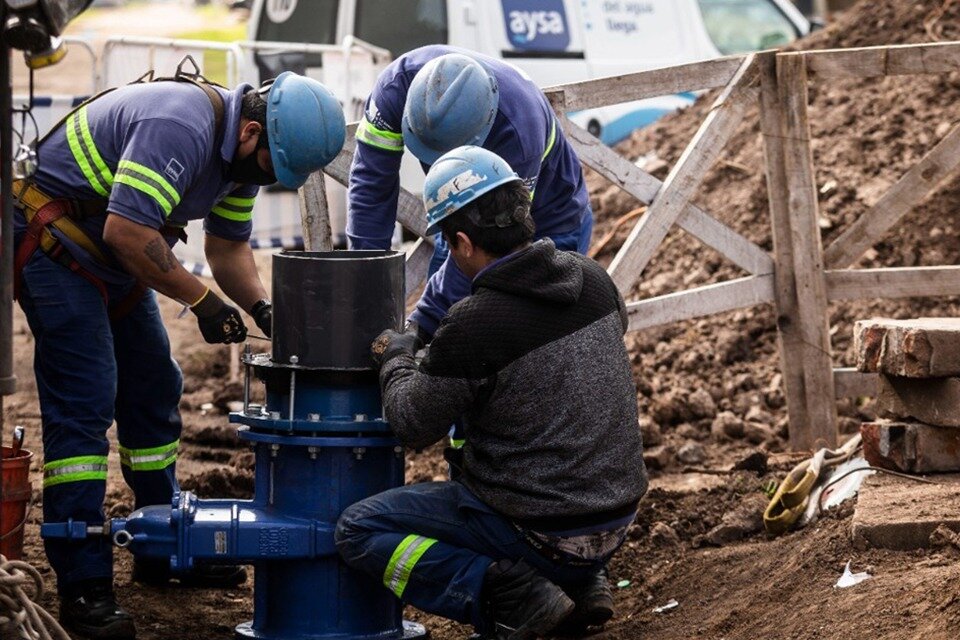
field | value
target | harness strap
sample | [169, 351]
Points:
[33, 200]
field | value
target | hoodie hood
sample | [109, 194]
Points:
[539, 271]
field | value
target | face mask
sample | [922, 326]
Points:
[248, 171]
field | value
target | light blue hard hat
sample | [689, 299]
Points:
[451, 102]
[305, 127]
[459, 177]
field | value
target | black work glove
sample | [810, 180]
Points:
[391, 344]
[262, 313]
[219, 322]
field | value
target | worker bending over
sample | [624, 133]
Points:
[534, 363]
[433, 99]
[118, 180]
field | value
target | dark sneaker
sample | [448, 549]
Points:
[594, 606]
[91, 610]
[522, 603]
[157, 573]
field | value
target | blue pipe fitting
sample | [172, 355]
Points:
[320, 444]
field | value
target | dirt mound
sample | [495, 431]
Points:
[866, 133]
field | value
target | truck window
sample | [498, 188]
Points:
[739, 26]
[312, 21]
[404, 25]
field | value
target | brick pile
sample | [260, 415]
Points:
[918, 364]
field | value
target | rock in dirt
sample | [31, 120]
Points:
[743, 521]
[671, 408]
[755, 462]
[658, 458]
[701, 404]
[692, 453]
[650, 432]
[727, 425]
[663, 535]
[756, 433]
[943, 537]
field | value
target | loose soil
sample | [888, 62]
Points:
[866, 134]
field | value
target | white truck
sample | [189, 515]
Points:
[554, 41]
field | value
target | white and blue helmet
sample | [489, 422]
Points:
[452, 101]
[459, 177]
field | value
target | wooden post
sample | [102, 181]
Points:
[800, 284]
[315, 214]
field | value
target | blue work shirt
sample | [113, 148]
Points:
[148, 150]
[525, 134]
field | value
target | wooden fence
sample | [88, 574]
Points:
[801, 277]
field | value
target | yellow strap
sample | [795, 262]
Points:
[32, 199]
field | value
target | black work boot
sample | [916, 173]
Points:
[157, 573]
[90, 609]
[594, 606]
[522, 603]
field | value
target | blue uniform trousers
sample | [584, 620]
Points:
[89, 373]
[432, 543]
[448, 285]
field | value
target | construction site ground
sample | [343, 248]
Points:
[708, 391]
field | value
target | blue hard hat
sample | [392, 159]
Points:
[459, 177]
[451, 102]
[305, 127]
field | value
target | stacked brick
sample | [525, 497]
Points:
[918, 401]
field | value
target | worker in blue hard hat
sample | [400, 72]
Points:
[433, 99]
[116, 183]
[552, 472]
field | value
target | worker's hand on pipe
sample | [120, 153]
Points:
[219, 322]
[262, 313]
[391, 344]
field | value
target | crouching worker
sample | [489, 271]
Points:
[534, 363]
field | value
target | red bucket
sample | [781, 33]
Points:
[15, 494]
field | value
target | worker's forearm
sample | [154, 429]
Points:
[147, 256]
[421, 408]
[235, 271]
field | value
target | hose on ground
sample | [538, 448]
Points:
[21, 615]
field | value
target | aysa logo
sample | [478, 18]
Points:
[539, 25]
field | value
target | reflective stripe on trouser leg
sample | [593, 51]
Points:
[77, 469]
[151, 459]
[403, 560]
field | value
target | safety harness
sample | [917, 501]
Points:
[42, 211]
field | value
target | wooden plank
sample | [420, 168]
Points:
[683, 180]
[904, 282]
[644, 187]
[410, 211]
[811, 295]
[907, 59]
[850, 383]
[315, 214]
[699, 302]
[933, 169]
[418, 262]
[788, 340]
[600, 92]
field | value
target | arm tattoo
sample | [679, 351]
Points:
[160, 254]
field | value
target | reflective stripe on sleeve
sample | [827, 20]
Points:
[85, 153]
[551, 141]
[150, 182]
[152, 459]
[234, 208]
[74, 470]
[379, 138]
[403, 560]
